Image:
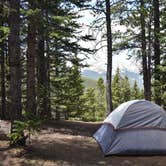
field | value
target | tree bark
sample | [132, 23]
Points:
[48, 78]
[48, 68]
[157, 52]
[14, 60]
[42, 76]
[3, 89]
[144, 54]
[31, 56]
[109, 59]
[149, 57]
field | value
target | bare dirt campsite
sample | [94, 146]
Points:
[66, 143]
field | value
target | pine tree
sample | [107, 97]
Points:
[163, 55]
[135, 15]
[74, 90]
[31, 57]
[2, 58]
[90, 105]
[109, 58]
[116, 89]
[106, 12]
[146, 79]
[163, 83]
[14, 58]
[125, 89]
[135, 92]
[157, 52]
[101, 105]
[42, 96]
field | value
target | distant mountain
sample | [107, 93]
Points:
[93, 75]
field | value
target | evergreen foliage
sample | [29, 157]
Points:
[123, 90]
[116, 89]
[22, 130]
[95, 98]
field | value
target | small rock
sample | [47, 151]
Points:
[126, 162]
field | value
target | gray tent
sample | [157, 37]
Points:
[135, 127]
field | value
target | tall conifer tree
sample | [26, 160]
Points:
[14, 60]
[31, 58]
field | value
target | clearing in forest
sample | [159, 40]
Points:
[66, 143]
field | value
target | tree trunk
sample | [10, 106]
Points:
[14, 60]
[157, 88]
[144, 55]
[31, 55]
[42, 76]
[48, 70]
[149, 57]
[109, 58]
[3, 90]
[48, 78]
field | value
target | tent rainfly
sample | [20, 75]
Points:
[136, 127]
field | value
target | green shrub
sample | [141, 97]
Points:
[21, 130]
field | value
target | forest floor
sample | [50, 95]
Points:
[66, 143]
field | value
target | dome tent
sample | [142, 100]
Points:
[136, 127]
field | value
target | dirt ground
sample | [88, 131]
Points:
[66, 143]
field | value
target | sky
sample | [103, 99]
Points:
[98, 61]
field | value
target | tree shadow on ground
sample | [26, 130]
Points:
[75, 147]
[71, 149]
[72, 127]
[81, 150]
